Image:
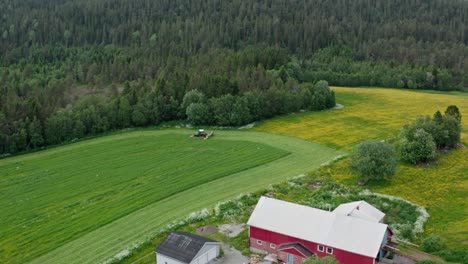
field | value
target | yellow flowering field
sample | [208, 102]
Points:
[368, 113]
[373, 113]
[441, 188]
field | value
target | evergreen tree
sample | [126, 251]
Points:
[453, 110]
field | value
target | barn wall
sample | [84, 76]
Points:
[298, 257]
[283, 256]
[268, 237]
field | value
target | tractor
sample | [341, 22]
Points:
[202, 134]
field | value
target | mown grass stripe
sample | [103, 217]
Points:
[247, 162]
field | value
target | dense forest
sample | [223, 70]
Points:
[71, 68]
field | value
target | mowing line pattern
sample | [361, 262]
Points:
[118, 211]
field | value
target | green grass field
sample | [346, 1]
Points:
[379, 114]
[88, 201]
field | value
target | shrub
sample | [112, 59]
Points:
[374, 160]
[433, 243]
[417, 146]
[432, 126]
[459, 256]
[406, 232]
[445, 130]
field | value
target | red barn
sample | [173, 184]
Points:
[353, 233]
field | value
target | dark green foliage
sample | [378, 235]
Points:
[438, 118]
[431, 126]
[222, 108]
[35, 133]
[198, 114]
[193, 96]
[124, 113]
[322, 97]
[240, 112]
[445, 130]
[452, 255]
[453, 111]
[374, 160]
[418, 140]
[416, 146]
[54, 52]
[59, 128]
[453, 128]
[433, 243]
[139, 115]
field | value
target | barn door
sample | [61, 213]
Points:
[290, 258]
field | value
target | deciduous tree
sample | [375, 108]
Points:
[374, 160]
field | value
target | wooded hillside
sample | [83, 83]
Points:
[138, 58]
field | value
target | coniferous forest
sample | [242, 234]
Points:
[73, 68]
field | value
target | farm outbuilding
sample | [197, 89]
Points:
[360, 209]
[186, 248]
[293, 232]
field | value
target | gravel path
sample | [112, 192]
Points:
[231, 256]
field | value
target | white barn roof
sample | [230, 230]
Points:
[319, 226]
[360, 209]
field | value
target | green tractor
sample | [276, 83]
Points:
[202, 134]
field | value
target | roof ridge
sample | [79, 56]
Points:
[319, 226]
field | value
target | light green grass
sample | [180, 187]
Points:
[379, 114]
[88, 201]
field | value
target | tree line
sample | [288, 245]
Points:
[98, 61]
[33, 117]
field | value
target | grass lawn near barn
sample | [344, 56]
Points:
[88, 201]
[238, 211]
[372, 113]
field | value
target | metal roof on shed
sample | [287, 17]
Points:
[182, 246]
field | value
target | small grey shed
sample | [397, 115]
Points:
[186, 248]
